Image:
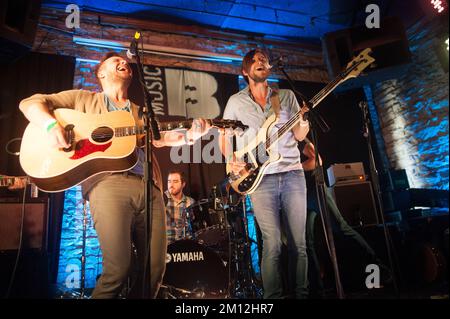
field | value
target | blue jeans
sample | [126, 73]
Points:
[280, 200]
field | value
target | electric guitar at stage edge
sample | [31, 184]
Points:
[257, 153]
[99, 143]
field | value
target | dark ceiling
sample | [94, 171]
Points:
[296, 20]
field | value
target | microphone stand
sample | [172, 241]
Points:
[316, 120]
[150, 132]
[377, 190]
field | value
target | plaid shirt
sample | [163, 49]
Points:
[176, 218]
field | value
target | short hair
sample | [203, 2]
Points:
[247, 61]
[103, 59]
[176, 171]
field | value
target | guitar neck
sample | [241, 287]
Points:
[363, 61]
[313, 102]
[173, 125]
[163, 126]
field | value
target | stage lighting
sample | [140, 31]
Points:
[439, 5]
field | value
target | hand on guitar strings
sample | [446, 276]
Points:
[57, 138]
[304, 111]
[199, 128]
[236, 165]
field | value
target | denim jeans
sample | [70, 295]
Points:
[279, 200]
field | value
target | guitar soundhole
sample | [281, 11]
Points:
[102, 134]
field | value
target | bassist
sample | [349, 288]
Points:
[280, 197]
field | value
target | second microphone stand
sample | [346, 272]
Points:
[377, 190]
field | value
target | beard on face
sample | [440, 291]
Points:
[257, 78]
[121, 78]
[174, 192]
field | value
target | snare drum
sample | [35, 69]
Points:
[196, 270]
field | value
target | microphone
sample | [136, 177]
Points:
[132, 51]
[276, 63]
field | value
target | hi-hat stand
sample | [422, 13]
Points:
[244, 286]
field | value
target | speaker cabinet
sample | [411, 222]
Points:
[389, 48]
[31, 276]
[34, 230]
[356, 203]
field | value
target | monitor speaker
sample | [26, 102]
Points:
[25, 275]
[356, 203]
[389, 48]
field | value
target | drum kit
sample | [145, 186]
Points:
[215, 260]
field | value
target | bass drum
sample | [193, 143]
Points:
[194, 271]
[428, 263]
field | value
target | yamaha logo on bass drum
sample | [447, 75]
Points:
[185, 257]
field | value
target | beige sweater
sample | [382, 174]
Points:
[88, 102]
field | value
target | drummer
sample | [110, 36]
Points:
[178, 227]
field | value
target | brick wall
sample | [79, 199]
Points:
[303, 61]
[413, 112]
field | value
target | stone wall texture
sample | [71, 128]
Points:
[413, 112]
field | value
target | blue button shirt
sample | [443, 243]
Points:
[242, 107]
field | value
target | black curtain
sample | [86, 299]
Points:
[344, 143]
[33, 73]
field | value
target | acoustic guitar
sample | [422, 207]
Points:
[98, 143]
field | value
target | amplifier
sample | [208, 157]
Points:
[356, 203]
[34, 230]
[346, 173]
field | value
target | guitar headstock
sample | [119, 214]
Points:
[228, 124]
[358, 64]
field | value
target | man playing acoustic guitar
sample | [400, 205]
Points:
[116, 199]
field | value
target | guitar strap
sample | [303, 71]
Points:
[275, 102]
